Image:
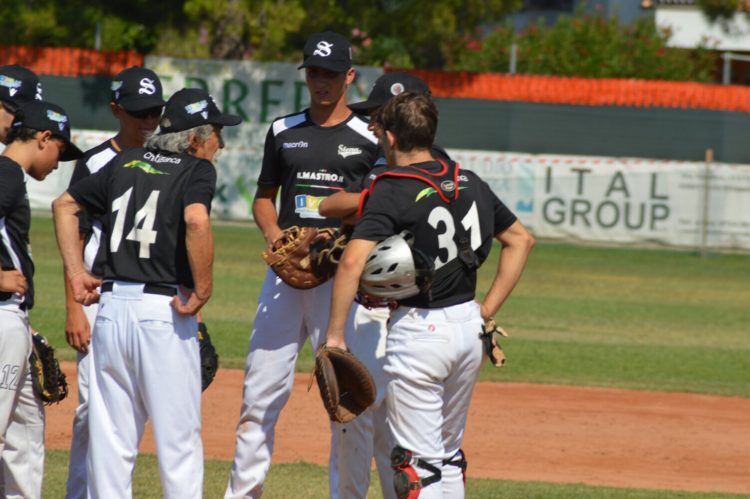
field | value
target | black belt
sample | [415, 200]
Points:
[152, 289]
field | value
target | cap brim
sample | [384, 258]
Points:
[141, 103]
[225, 120]
[364, 107]
[330, 66]
[71, 152]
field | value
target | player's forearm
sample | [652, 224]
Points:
[70, 303]
[199, 241]
[266, 217]
[517, 244]
[339, 205]
[64, 211]
[345, 286]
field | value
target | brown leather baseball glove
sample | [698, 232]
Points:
[306, 257]
[346, 386]
[47, 380]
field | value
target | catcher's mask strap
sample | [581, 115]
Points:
[406, 480]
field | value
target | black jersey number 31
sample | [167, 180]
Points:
[143, 225]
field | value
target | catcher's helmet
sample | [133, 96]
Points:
[395, 269]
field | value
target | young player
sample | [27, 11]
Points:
[309, 156]
[38, 138]
[433, 350]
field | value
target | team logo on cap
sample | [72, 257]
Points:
[198, 107]
[10, 83]
[58, 118]
[147, 86]
[38, 95]
[397, 88]
[323, 48]
[115, 87]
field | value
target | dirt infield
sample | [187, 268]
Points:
[518, 431]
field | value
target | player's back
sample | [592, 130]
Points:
[147, 192]
[414, 205]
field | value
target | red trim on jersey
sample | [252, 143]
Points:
[363, 199]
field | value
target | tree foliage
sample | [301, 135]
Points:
[588, 45]
[401, 33]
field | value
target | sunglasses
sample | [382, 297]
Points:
[152, 112]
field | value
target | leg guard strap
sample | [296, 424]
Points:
[458, 459]
[406, 480]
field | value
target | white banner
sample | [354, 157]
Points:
[621, 200]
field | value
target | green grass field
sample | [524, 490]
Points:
[630, 318]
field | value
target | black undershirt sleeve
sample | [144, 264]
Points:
[91, 192]
[270, 171]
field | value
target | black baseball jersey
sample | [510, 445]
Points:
[15, 220]
[381, 166]
[398, 203]
[90, 226]
[141, 197]
[311, 162]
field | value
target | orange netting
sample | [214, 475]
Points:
[586, 91]
[69, 61]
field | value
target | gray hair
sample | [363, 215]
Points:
[177, 142]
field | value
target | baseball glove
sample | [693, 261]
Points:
[209, 357]
[491, 347]
[305, 257]
[346, 386]
[47, 379]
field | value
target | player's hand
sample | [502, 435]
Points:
[191, 306]
[84, 287]
[272, 238]
[335, 343]
[13, 281]
[77, 329]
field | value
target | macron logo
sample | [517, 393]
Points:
[345, 152]
[295, 145]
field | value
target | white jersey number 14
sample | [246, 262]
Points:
[143, 226]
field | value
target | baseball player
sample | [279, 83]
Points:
[156, 275]
[309, 155]
[356, 443]
[38, 138]
[136, 102]
[433, 350]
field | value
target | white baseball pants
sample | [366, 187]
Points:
[145, 364]
[76, 485]
[354, 444]
[285, 318]
[21, 413]
[433, 358]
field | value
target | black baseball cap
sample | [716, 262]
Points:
[137, 89]
[19, 85]
[42, 116]
[193, 107]
[327, 50]
[387, 86]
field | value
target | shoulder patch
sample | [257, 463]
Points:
[98, 160]
[287, 122]
[360, 126]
